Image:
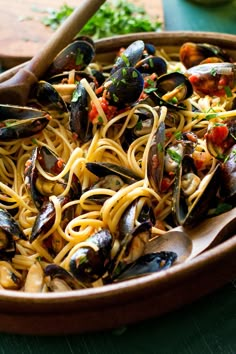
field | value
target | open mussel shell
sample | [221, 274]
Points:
[220, 137]
[192, 54]
[124, 87]
[77, 55]
[55, 271]
[79, 115]
[49, 98]
[46, 218]
[228, 178]
[130, 56]
[171, 90]
[21, 122]
[213, 79]
[155, 164]
[190, 215]
[149, 263]
[102, 169]
[90, 262]
[152, 64]
[10, 231]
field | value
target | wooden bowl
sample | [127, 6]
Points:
[137, 299]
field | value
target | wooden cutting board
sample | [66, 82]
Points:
[22, 30]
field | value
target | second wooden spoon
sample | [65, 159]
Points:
[188, 243]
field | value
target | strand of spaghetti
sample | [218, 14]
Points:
[84, 199]
[92, 145]
[132, 153]
[117, 210]
[109, 203]
[42, 251]
[112, 147]
[95, 100]
[63, 252]
[24, 262]
[105, 128]
[15, 196]
[62, 137]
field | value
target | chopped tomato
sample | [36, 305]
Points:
[218, 134]
[109, 110]
[166, 183]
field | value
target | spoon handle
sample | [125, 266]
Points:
[63, 36]
[212, 231]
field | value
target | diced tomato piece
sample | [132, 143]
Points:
[218, 134]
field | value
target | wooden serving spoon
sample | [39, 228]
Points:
[16, 89]
[188, 243]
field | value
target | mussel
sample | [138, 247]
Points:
[90, 261]
[18, 122]
[130, 56]
[103, 169]
[220, 137]
[59, 279]
[192, 54]
[213, 79]
[10, 231]
[171, 90]
[189, 213]
[228, 177]
[77, 55]
[149, 263]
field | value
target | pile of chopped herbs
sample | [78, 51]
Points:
[113, 18]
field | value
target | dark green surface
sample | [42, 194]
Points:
[208, 325]
[187, 15]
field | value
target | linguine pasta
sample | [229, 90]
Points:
[67, 236]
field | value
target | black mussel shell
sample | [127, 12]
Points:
[149, 263]
[102, 169]
[130, 56]
[124, 87]
[88, 264]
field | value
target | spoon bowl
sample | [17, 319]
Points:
[188, 243]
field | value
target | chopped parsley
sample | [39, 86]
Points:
[174, 155]
[112, 18]
[178, 135]
[139, 125]
[228, 91]
[213, 71]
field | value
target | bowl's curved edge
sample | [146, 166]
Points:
[134, 300]
[119, 304]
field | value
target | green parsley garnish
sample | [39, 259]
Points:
[100, 120]
[139, 125]
[211, 115]
[79, 57]
[113, 17]
[213, 71]
[178, 135]
[228, 91]
[174, 155]
[160, 147]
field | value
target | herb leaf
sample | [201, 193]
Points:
[113, 17]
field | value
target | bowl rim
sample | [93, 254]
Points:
[157, 281]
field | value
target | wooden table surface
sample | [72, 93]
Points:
[22, 30]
